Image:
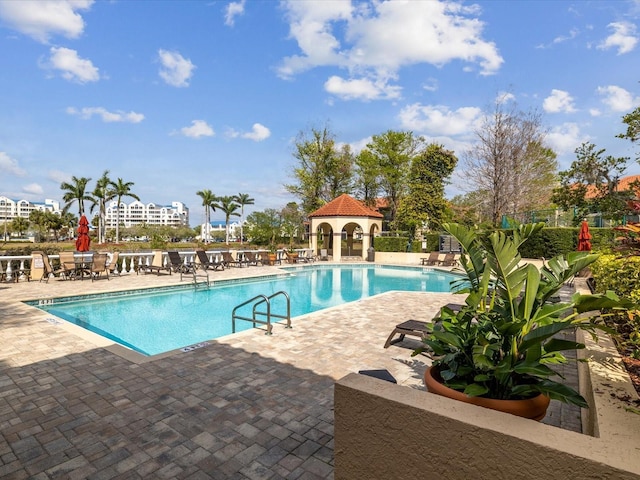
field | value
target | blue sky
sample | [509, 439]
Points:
[180, 96]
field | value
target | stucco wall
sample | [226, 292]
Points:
[386, 431]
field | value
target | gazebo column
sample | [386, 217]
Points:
[366, 241]
[337, 245]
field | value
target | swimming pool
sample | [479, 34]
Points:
[153, 322]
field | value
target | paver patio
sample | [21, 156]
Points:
[247, 406]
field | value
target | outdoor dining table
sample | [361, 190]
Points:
[83, 264]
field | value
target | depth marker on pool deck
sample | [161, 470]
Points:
[193, 347]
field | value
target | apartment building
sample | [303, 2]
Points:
[10, 209]
[137, 213]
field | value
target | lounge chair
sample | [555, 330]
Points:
[323, 254]
[99, 266]
[449, 260]
[205, 263]
[228, 260]
[292, 258]
[251, 258]
[432, 259]
[416, 328]
[178, 265]
[48, 271]
[157, 265]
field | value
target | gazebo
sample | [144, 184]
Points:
[344, 219]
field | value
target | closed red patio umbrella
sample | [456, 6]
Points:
[83, 241]
[584, 238]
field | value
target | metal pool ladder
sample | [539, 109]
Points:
[259, 300]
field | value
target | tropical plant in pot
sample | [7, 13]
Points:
[503, 343]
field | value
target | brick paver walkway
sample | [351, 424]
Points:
[247, 406]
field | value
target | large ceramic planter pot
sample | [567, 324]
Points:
[272, 259]
[293, 257]
[534, 408]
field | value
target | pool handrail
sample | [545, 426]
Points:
[262, 299]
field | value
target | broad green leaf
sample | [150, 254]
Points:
[475, 390]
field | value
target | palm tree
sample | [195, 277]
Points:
[243, 199]
[101, 195]
[209, 203]
[121, 189]
[75, 191]
[229, 206]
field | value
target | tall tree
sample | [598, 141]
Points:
[121, 189]
[507, 158]
[367, 174]
[75, 191]
[243, 199]
[229, 206]
[101, 194]
[390, 155]
[292, 219]
[264, 227]
[316, 153]
[590, 185]
[209, 203]
[424, 207]
[340, 173]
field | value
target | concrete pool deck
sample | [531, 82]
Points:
[246, 406]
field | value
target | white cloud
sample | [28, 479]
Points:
[40, 20]
[573, 33]
[594, 112]
[176, 70]
[10, 165]
[565, 138]
[382, 37]
[431, 85]
[198, 128]
[72, 67]
[233, 9]
[623, 37]
[33, 188]
[437, 120]
[119, 116]
[362, 89]
[558, 101]
[617, 98]
[258, 133]
[58, 177]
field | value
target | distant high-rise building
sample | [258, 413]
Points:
[137, 213]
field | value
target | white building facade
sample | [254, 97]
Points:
[10, 209]
[138, 213]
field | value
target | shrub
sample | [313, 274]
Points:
[622, 275]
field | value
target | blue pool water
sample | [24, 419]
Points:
[152, 323]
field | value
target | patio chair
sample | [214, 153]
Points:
[449, 260]
[228, 260]
[205, 263]
[432, 259]
[48, 270]
[251, 258]
[323, 254]
[68, 265]
[99, 266]
[112, 264]
[157, 265]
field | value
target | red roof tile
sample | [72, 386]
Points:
[345, 206]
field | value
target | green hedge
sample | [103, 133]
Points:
[547, 243]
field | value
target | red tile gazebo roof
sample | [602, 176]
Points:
[345, 206]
